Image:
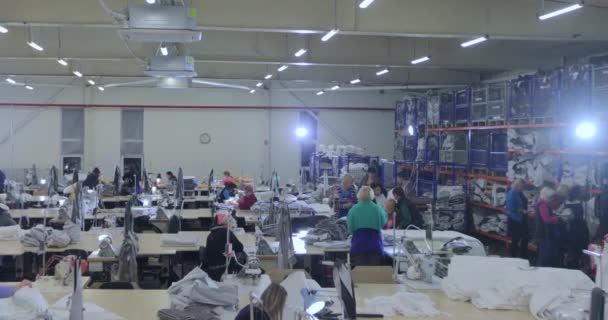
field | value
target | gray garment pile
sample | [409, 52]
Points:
[126, 270]
[192, 312]
[73, 231]
[336, 229]
[35, 237]
[196, 288]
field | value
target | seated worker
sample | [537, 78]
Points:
[405, 211]
[171, 178]
[227, 193]
[6, 220]
[379, 192]
[248, 200]
[345, 196]
[9, 291]
[273, 303]
[92, 179]
[365, 222]
[227, 178]
[214, 262]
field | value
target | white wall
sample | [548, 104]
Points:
[243, 141]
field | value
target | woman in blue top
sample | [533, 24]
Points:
[365, 222]
[517, 207]
[346, 196]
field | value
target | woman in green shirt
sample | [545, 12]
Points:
[365, 222]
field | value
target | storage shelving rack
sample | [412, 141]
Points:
[485, 113]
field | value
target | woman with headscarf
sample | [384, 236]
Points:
[365, 222]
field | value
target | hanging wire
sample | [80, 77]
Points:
[335, 14]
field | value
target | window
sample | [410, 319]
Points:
[72, 139]
[132, 140]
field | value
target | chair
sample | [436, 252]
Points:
[116, 285]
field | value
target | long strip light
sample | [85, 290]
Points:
[474, 42]
[268, 76]
[336, 87]
[151, 1]
[282, 68]
[101, 88]
[62, 62]
[330, 34]
[35, 46]
[421, 60]
[163, 50]
[252, 91]
[381, 72]
[300, 53]
[11, 81]
[29, 87]
[77, 73]
[320, 93]
[560, 11]
[259, 84]
[91, 82]
[355, 81]
[3, 29]
[365, 3]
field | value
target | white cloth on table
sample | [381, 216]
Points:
[35, 237]
[406, 304]
[179, 239]
[10, 233]
[197, 287]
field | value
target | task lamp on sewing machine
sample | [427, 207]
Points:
[312, 303]
[105, 246]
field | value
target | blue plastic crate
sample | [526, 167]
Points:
[479, 148]
[446, 108]
[497, 101]
[462, 106]
[520, 103]
[499, 156]
[545, 98]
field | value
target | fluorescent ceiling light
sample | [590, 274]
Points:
[3, 29]
[151, 1]
[11, 81]
[365, 3]
[35, 46]
[29, 87]
[283, 68]
[268, 76]
[252, 91]
[163, 50]
[330, 34]
[259, 84]
[300, 53]
[355, 81]
[421, 60]
[77, 73]
[320, 93]
[336, 87]
[62, 62]
[474, 42]
[381, 72]
[91, 82]
[560, 11]
[101, 88]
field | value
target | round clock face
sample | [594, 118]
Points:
[205, 138]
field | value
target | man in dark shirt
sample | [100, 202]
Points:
[92, 179]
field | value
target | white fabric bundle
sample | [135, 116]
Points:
[406, 304]
[197, 288]
[31, 299]
[36, 236]
[10, 233]
[73, 231]
[293, 284]
[179, 239]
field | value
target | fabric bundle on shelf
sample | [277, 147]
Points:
[493, 223]
[328, 229]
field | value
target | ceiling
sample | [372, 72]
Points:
[243, 40]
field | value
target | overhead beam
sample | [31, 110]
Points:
[513, 19]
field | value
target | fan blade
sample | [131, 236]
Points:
[220, 84]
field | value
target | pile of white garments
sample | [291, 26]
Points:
[432, 109]
[36, 236]
[449, 208]
[405, 304]
[581, 174]
[356, 170]
[493, 194]
[421, 150]
[10, 233]
[538, 168]
[340, 150]
[197, 288]
[493, 223]
[511, 284]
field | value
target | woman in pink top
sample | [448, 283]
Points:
[547, 229]
[227, 178]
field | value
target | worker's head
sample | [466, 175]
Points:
[518, 185]
[248, 189]
[402, 177]
[169, 174]
[378, 190]
[221, 219]
[226, 173]
[347, 181]
[398, 193]
[563, 191]
[546, 193]
[365, 194]
[96, 172]
[273, 299]
[371, 173]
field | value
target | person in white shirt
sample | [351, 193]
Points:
[380, 194]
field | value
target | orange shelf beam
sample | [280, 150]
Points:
[562, 151]
[506, 240]
[507, 126]
[501, 210]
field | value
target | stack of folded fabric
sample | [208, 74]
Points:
[328, 229]
[10, 233]
[197, 296]
[36, 236]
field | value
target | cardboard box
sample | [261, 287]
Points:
[277, 275]
[373, 274]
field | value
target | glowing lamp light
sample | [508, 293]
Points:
[410, 130]
[157, 180]
[153, 189]
[61, 202]
[301, 132]
[102, 237]
[43, 181]
[586, 130]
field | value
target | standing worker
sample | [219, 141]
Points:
[405, 211]
[92, 179]
[365, 222]
[547, 228]
[518, 219]
[346, 196]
